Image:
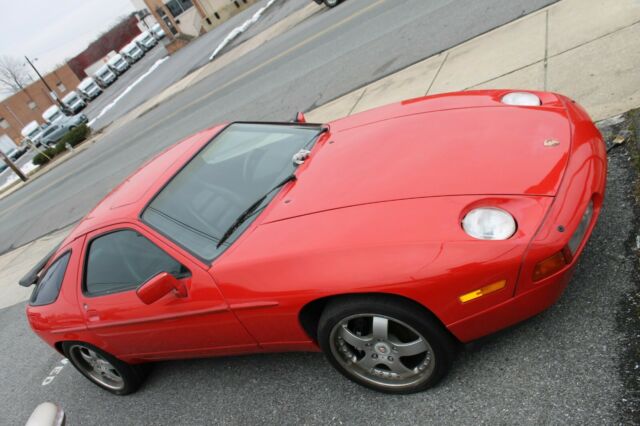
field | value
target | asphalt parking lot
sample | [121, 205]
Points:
[564, 366]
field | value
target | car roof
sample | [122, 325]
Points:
[70, 95]
[30, 127]
[51, 110]
[86, 82]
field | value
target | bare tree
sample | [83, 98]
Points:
[13, 74]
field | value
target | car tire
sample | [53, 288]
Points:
[413, 354]
[105, 370]
[331, 3]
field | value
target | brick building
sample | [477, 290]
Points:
[193, 17]
[113, 40]
[29, 104]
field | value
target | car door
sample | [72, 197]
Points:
[117, 260]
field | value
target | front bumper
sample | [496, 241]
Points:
[584, 182]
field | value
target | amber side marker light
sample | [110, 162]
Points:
[491, 288]
[551, 265]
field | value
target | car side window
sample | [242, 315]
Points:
[122, 260]
[48, 288]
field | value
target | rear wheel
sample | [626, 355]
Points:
[104, 369]
[386, 345]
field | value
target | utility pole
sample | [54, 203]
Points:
[13, 167]
[52, 93]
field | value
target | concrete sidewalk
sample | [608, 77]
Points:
[587, 49]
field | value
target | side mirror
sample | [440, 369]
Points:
[159, 286]
[300, 118]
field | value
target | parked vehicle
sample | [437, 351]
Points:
[459, 228]
[118, 64]
[53, 114]
[54, 132]
[10, 149]
[329, 3]
[89, 89]
[132, 53]
[74, 102]
[105, 77]
[157, 31]
[146, 41]
[33, 132]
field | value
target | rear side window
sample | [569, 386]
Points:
[122, 260]
[48, 287]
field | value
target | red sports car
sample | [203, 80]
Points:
[383, 239]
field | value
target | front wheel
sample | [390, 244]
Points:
[104, 369]
[331, 3]
[386, 345]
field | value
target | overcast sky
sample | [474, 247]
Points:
[55, 30]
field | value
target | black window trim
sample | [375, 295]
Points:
[36, 289]
[322, 128]
[85, 263]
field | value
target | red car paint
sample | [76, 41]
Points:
[377, 208]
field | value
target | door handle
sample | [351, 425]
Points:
[93, 315]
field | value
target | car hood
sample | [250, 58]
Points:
[483, 150]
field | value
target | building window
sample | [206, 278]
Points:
[32, 105]
[4, 123]
[61, 87]
[178, 7]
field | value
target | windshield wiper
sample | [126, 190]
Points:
[251, 209]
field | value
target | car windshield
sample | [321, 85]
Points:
[104, 72]
[235, 169]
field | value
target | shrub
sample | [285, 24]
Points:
[59, 148]
[75, 136]
[40, 159]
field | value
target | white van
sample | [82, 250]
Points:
[146, 41]
[53, 114]
[118, 64]
[105, 76]
[74, 102]
[89, 89]
[132, 52]
[32, 131]
[157, 31]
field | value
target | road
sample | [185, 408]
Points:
[328, 55]
[195, 55]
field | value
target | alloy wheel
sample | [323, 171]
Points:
[382, 351]
[96, 367]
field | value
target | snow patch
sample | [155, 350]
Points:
[26, 169]
[128, 89]
[240, 29]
